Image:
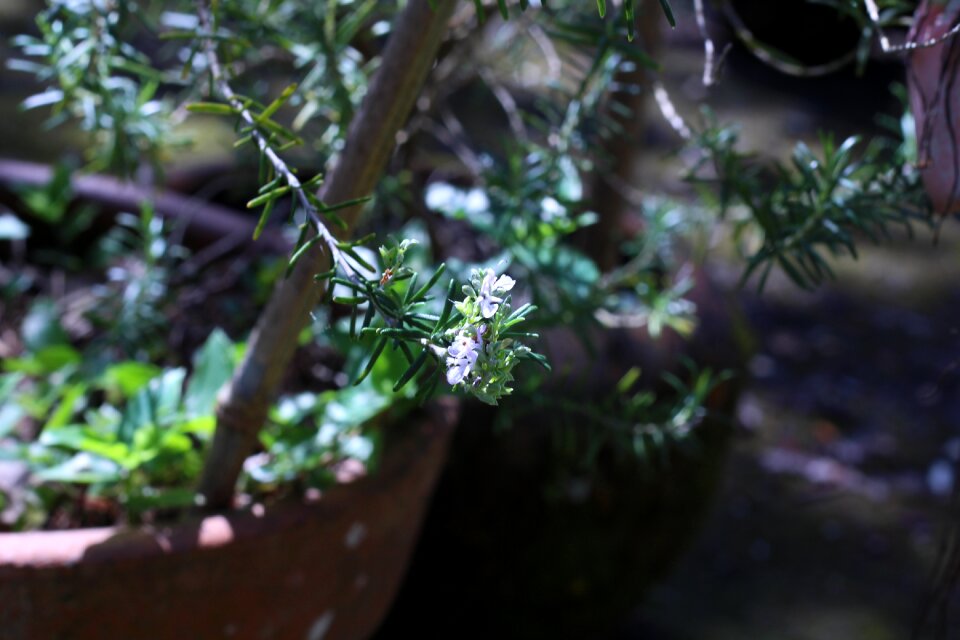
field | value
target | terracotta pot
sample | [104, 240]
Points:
[328, 569]
[519, 544]
[932, 75]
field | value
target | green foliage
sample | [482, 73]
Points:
[96, 77]
[320, 40]
[391, 303]
[631, 422]
[129, 308]
[141, 445]
[289, 77]
[407, 317]
[311, 433]
[628, 12]
[798, 212]
[50, 205]
[135, 434]
[538, 200]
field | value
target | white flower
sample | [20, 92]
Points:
[457, 370]
[550, 209]
[491, 285]
[461, 357]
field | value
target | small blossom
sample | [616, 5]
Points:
[491, 285]
[463, 346]
[461, 357]
[457, 370]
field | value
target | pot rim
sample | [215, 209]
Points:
[417, 443]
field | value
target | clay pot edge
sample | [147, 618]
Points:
[38, 549]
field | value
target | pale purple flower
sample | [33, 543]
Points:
[491, 285]
[463, 346]
[457, 370]
[461, 356]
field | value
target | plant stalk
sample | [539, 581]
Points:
[244, 402]
[612, 189]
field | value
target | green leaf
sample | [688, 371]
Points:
[793, 273]
[129, 377]
[313, 182]
[481, 14]
[411, 371]
[540, 359]
[426, 390]
[8, 384]
[350, 284]
[422, 292]
[272, 108]
[447, 306]
[45, 361]
[350, 251]
[41, 327]
[395, 332]
[374, 356]
[150, 498]
[328, 209]
[264, 216]
[349, 300]
[361, 240]
[325, 275]
[628, 380]
[10, 416]
[279, 131]
[268, 196]
[166, 392]
[368, 316]
[85, 440]
[10, 412]
[202, 426]
[67, 407]
[602, 8]
[668, 12]
[301, 250]
[138, 414]
[502, 5]
[214, 108]
[212, 368]
[82, 468]
[518, 315]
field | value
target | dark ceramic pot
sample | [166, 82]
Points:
[932, 74]
[518, 544]
[325, 569]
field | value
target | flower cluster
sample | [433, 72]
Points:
[481, 355]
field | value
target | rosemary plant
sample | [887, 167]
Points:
[313, 84]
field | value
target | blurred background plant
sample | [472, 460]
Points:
[518, 158]
[129, 76]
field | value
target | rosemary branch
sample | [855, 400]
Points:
[281, 167]
[339, 257]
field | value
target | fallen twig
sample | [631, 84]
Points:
[205, 221]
